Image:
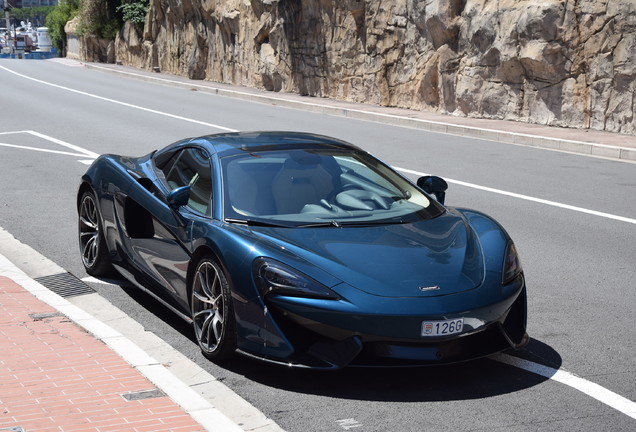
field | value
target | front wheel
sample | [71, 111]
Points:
[212, 312]
[91, 238]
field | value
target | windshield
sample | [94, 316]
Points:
[318, 187]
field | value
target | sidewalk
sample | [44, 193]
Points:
[57, 376]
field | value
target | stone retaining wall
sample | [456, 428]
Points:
[557, 62]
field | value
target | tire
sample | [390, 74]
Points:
[212, 311]
[92, 244]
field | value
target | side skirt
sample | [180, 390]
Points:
[131, 278]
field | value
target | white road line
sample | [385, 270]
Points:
[270, 97]
[405, 170]
[103, 281]
[591, 389]
[527, 198]
[119, 102]
[349, 423]
[41, 150]
[81, 152]
[84, 152]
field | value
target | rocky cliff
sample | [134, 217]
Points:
[557, 62]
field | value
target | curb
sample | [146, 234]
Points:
[530, 140]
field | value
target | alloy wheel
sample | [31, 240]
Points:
[209, 306]
[89, 237]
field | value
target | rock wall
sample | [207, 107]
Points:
[558, 62]
[87, 48]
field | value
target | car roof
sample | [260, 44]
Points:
[231, 143]
[240, 142]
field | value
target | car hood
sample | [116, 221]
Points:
[433, 257]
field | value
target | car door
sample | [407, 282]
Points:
[160, 235]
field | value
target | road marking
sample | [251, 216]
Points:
[603, 395]
[405, 170]
[212, 125]
[349, 423]
[268, 98]
[591, 389]
[80, 151]
[41, 150]
[84, 152]
[526, 197]
[103, 281]
[93, 280]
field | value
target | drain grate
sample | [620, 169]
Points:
[65, 285]
[146, 394]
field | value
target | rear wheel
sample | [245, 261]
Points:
[91, 238]
[212, 312]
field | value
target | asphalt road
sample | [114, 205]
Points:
[580, 267]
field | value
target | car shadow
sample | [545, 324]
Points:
[468, 380]
[476, 379]
[159, 310]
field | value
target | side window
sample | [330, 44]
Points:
[191, 167]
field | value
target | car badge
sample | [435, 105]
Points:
[429, 288]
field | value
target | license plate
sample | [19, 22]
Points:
[442, 328]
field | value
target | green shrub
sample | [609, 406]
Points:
[135, 11]
[57, 19]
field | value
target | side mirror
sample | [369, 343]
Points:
[178, 197]
[435, 186]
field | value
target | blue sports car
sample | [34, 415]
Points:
[304, 250]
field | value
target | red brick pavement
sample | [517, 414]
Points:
[54, 376]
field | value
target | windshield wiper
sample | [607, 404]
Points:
[326, 224]
[393, 221]
[341, 223]
[331, 223]
[253, 222]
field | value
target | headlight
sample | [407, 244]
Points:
[512, 265]
[274, 277]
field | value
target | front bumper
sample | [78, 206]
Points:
[392, 340]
